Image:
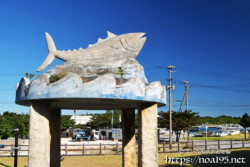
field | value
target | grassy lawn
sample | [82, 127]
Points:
[116, 160]
[234, 137]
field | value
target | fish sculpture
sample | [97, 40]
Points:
[112, 48]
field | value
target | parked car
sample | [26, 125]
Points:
[2, 145]
[80, 135]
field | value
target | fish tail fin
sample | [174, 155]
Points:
[51, 49]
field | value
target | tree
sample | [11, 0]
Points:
[104, 120]
[245, 122]
[11, 121]
[66, 122]
[80, 126]
[223, 119]
[180, 121]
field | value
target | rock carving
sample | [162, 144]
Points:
[93, 73]
[112, 48]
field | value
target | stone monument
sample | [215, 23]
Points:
[103, 76]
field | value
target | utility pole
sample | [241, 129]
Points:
[186, 87]
[182, 101]
[170, 87]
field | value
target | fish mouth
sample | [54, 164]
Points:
[135, 41]
[142, 41]
[142, 34]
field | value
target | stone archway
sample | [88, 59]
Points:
[44, 146]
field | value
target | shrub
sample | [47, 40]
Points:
[5, 136]
[28, 75]
[55, 77]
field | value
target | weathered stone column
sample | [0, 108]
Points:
[128, 138]
[147, 136]
[55, 145]
[39, 134]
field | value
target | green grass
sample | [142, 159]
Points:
[116, 160]
[229, 137]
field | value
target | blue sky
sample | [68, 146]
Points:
[208, 41]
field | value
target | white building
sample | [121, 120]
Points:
[81, 119]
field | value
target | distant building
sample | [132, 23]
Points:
[81, 119]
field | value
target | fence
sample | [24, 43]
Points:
[195, 145]
[116, 149]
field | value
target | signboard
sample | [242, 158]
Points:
[117, 133]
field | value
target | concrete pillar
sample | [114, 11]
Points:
[128, 138]
[39, 134]
[55, 145]
[147, 136]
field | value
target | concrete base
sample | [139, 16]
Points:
[147, 136]
[128, 141]
[39, 138]
[45, 139]
[44, 146]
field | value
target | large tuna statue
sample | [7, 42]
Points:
[110, 49]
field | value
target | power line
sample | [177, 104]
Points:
[211, 73]
[9, 74]
[217, 102]
[203, 72]
[221, 87]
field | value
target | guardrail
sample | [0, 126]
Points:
[116, 149]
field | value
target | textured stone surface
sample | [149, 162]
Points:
[36, 88]
[104, 86]
[147, 136]
[22, 88]
[89, 72]
[39, 138]
[110, 49]
[128, 138]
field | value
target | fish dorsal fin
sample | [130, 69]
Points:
[90, 45]
[74, 50]
[99, 40]
[110, 35]
[80, 48]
